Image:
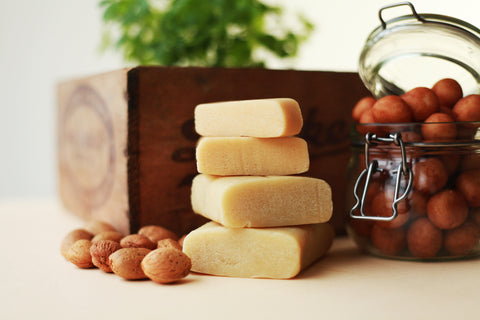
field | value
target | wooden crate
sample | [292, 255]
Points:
[126, 139]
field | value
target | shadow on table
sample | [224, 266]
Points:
[343, 254]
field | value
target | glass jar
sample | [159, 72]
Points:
[412, 198]
[415, 199]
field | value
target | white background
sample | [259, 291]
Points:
[43, 42]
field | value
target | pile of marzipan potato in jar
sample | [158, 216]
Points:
[441, 215]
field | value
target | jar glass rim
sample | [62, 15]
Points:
[429, 19]
[438, 45]
[468, 133]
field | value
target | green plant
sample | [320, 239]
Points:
[217, 33]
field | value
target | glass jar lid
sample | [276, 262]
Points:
[418, 50]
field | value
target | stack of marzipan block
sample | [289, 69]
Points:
[267, 221]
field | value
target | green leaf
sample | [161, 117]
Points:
[221, 33]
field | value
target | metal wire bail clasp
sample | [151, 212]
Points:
[372, 167]
[398, 4]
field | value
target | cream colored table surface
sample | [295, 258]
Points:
[38, 283]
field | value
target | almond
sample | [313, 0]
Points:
[108, 235]
[156, 233]
[137, 241]
[166, 265]
[169, 243]
[72, 237]
[79, 254]
[126, 263]
[100, 251]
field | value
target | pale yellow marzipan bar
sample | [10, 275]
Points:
[278, 253]
[260, 118]
[258, 201]
[225, 156]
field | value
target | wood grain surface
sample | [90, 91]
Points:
[126, 139]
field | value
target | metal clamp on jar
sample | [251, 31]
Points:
[416, 195]
[372, 168]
